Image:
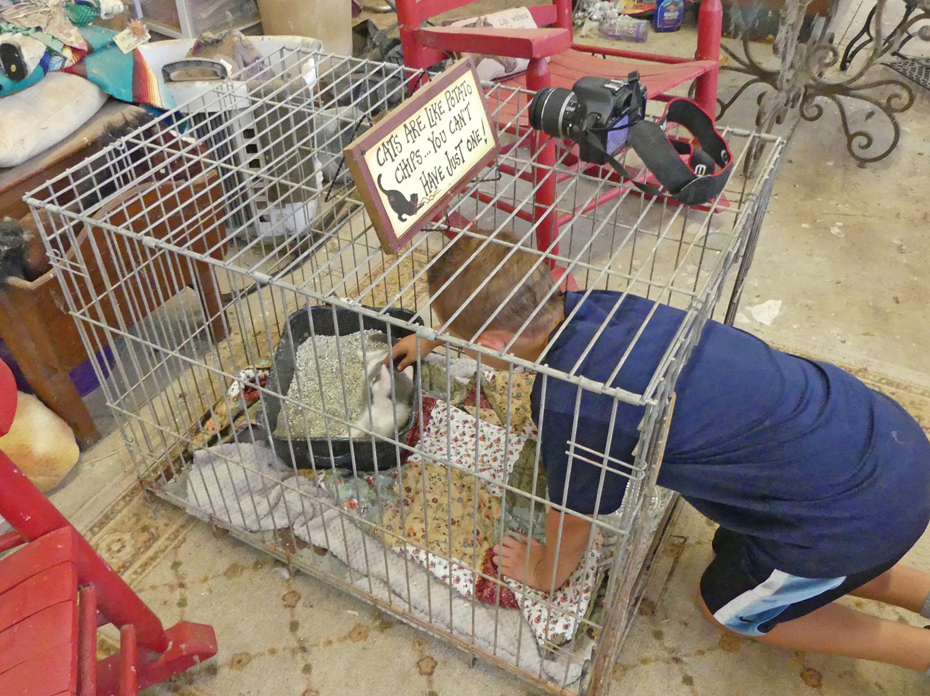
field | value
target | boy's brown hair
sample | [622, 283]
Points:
[531, 291]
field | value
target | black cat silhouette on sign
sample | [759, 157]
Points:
[410, 165]
[402, 206]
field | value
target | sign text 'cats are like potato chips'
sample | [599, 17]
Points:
[409, 165]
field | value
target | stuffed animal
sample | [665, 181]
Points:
[40, 443]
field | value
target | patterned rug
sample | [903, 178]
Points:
[296, 636]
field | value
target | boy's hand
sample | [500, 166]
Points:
[510, 557]
[406, 348]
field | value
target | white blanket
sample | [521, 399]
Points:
[247, 487]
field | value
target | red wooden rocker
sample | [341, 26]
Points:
[56, 590]
[424, 46]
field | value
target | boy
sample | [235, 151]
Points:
[819, 484]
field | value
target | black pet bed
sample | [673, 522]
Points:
[361, 454]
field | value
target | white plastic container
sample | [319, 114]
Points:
[158, 54]
[236, 112]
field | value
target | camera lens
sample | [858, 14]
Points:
[551, 111]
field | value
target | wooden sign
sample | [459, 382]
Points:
[408, 166]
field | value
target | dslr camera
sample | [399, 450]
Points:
[596, 113]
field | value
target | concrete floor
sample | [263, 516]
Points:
[846, 250]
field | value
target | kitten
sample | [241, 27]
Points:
[388, 404]
[12, 249]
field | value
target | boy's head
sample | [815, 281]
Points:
[522, 270]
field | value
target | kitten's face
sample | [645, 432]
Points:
[382, 383]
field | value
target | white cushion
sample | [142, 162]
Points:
[45, 114]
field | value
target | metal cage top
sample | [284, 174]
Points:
[647, 246]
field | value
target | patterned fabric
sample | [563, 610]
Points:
[468, 445]
[444, 508]
[461, 579]
[442, 385]
[458, 440]
[519, 516]
[249, 380]
[46, 17]
[126, 77]
[238, 412]
[496, 396]
[81, 14]
[555, 620]
[491, 590]
[525, 476]
[444, 511]
[500, 395]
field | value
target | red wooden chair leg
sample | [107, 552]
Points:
[537, 77]
[710, 27]
[190, 644]
[545, 178]
[87, 641]
[10, 540]
[128, 677]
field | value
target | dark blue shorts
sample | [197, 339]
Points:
[751, 597]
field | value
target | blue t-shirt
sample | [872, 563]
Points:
[826, 476]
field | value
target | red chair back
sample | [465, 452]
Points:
[412, 13]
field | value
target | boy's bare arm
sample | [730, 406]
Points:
[574, 540]
[511, 555]
[407, 347]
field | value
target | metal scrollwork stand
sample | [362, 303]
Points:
[805, 81]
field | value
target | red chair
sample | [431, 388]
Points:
[56, 590]
[424, 46]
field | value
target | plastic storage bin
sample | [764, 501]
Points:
[190, 18]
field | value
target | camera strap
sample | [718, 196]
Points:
[697, 181]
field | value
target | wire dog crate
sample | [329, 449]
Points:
[248, 427]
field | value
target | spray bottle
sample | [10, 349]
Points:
[668, 15]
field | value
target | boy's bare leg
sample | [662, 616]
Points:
[901, 586]
[839, 630]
